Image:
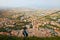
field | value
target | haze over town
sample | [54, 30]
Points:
[44, 4]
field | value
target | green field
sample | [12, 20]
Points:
[4, 37]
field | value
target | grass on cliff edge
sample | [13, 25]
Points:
[4, 37]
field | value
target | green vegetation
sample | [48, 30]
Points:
[4, 37]
[2, 30]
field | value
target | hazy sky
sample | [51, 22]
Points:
[30, 3]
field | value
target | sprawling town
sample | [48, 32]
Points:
[39, 23]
